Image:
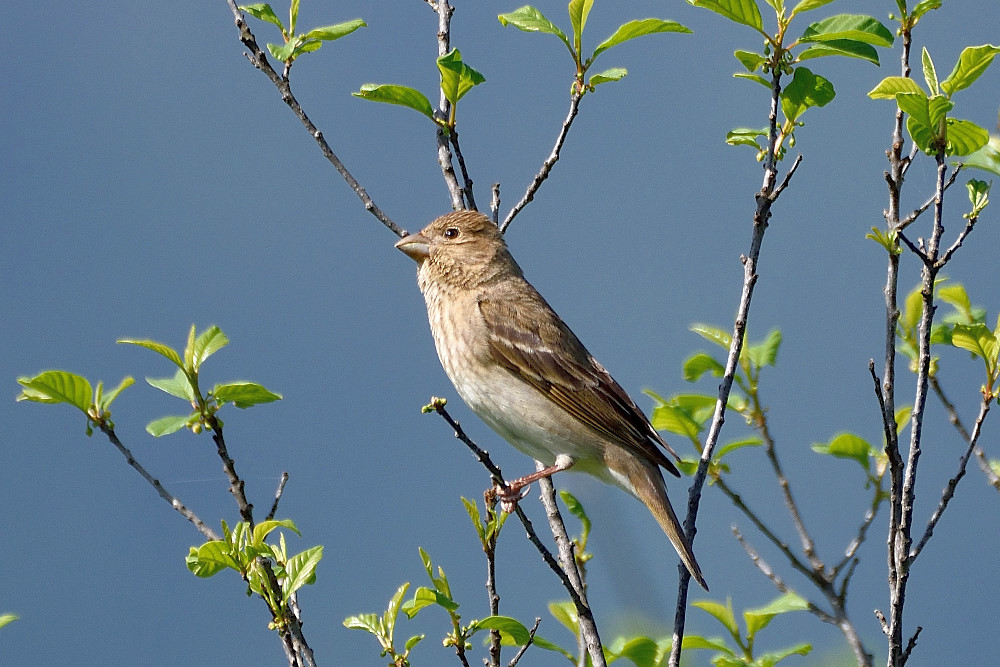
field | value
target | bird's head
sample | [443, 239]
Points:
[464, 247]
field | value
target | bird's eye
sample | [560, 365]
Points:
[451, 233]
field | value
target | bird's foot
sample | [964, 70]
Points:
[509, 494]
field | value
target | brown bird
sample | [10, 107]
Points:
[520, 368]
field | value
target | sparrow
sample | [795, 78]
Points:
[518, 366]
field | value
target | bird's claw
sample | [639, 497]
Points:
[509, 495]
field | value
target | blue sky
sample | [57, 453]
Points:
[152, 178]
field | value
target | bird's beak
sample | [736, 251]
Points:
[416, 247]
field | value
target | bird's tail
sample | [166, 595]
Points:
[649, 486]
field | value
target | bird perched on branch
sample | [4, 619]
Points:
[523, 372]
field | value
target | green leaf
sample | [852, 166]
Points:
[210, 341]
[930, 74]
[782, 604]
[301, 570]
[642, 651]
[565, 613]
[367, 622]
[167, 425]
[846, 446]
[413, 641]
[529, 19]
[972, 62]
[392, 610]
[750, 60]
[578, 11]
[977, 339]
[637, 28]
[698, 642]
[986, 158]
[714, 334]
[854, 27]
[293, 16]
[774, 657]
[890, 86]
[57, 387]
[472, 509]
[284, 52]
[509, 627]
[393, 94]
[965, 137]
[722, 613]
[457, 78]
[164, 350]
[698, 364]
[424, 597]
[751, 441]
[673, 420]
[739, 11]
[178, 386]
[805, 90]
[264, 528]
[756, 78]
[243, 394]
[806, 5]
[765, 353]
[110, 397]
[922, 8]
[263, 12]
[613, 74]
[979, 196]
[841, 47]
[6, 619]
[576, 509]
[745, 136]
[955, 295]
[328, 33]
[210, 559]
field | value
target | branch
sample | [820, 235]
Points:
[949, 490]
[467, 188]
[905, 222]
[236, 485]
[155, 483]
[444, 11]
[259, 60]
[550, 161]
[761, 215]
[991, 477]
[277, 496]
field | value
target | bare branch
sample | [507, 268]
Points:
[259, 60]
[495, 204]
[277, 496]
[172, 500]
[444, 11]
[550, 161]
[949, 490]
[991, 477]
[531, 640]
[467, 188]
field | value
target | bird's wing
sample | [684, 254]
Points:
[542, 351]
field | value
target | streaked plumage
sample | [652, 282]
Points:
[522, 371]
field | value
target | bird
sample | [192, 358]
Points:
[521, 369]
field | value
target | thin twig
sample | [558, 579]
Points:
[550, 161]
[236, 485]
[949, 490]
[905, 222]
[495, 204]
[171, 499]
[946, 257]
[760, 220]
[277, 496]
[466, 179]
[259, 60]
[984, 464]
[444, 11]
[531, 640]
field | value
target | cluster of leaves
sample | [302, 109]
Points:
[244, 550]
[530, 19]
[295, 44]
[848, 35]
[457, 78]
[928, 123]
[75, 390]
[964, 328]
[184, 383]
[688, 414]
[756, 620]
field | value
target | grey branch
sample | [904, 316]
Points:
[984, 464]
[550, 161]
[172, 500]
[259, 60]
